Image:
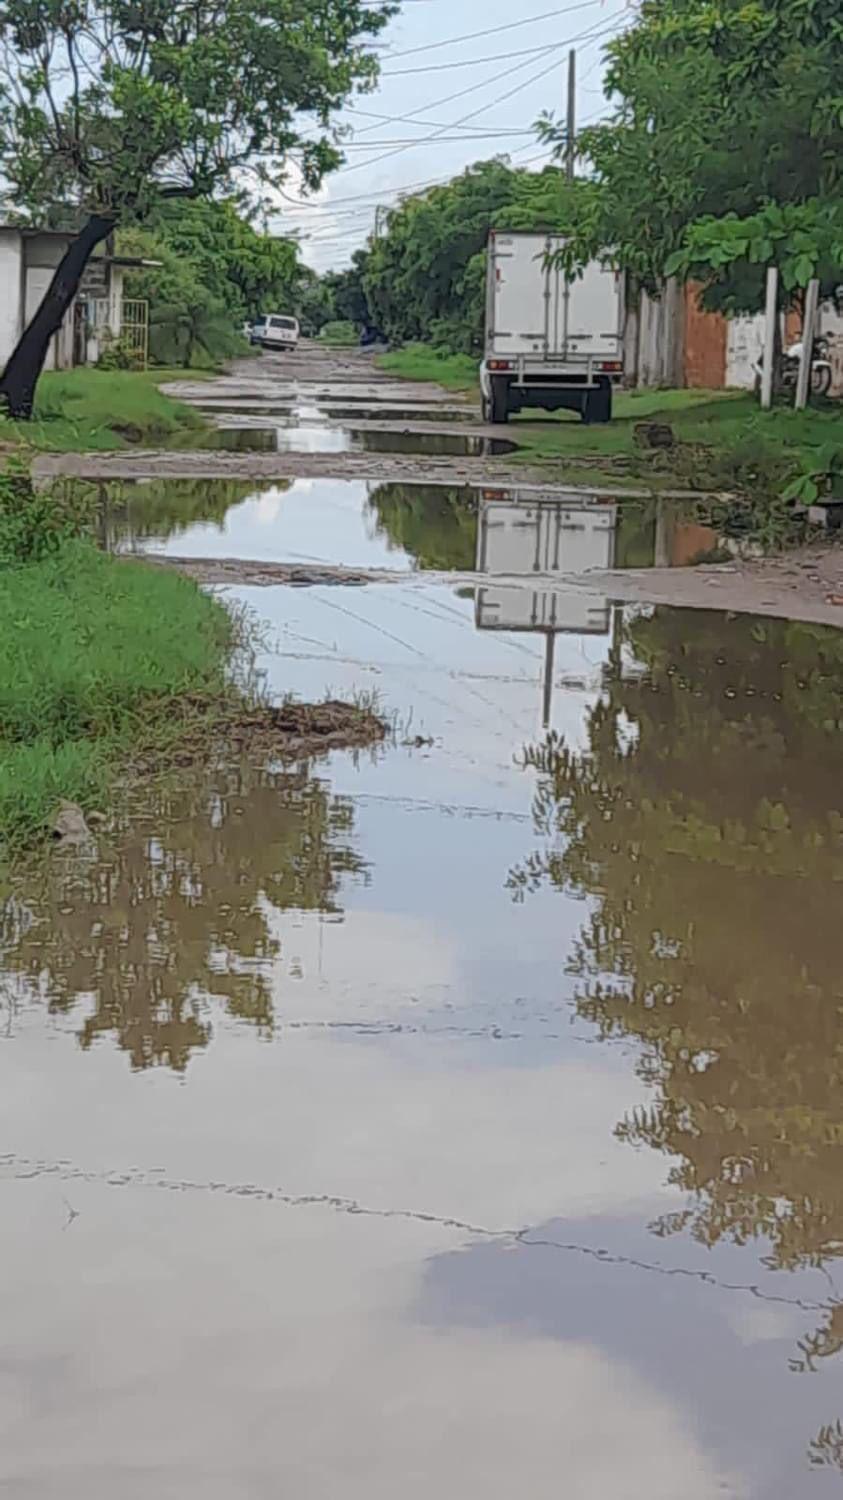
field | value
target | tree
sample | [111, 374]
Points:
[725, 112]
[425, 277]
[112, 108]
[215, 270]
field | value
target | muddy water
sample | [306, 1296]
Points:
[462, 1117]
[359, 524]
[457, 1117]
[327, 439]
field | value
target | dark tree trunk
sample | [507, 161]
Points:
[20, 377]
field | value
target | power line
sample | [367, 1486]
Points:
[471, 36]
[500, 99]
[468, 62]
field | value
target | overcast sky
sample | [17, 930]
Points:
[451, 95]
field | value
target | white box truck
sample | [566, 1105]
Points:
[552, 340]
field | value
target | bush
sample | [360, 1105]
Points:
[338, 333]
[119, 354]
[36, 522]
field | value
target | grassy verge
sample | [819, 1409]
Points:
[722, 441]
[94, 653]
[714, 431]
[340, 335]
[86, 409]
[456, 372]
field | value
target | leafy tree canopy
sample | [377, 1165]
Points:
[727, 115]
[425, 277]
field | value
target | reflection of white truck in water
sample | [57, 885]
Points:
[524, 537]
[551, 340]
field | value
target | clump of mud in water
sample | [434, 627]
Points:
[205, 730]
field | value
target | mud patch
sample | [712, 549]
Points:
[220, 732]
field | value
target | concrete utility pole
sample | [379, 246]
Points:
[571, 136]
[809, 318]
[770, 315]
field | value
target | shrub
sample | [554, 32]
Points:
[36, 522]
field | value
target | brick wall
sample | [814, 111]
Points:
[706, 337]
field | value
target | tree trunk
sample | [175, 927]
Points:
[20, 377]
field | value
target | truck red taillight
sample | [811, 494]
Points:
[501, 364]
[610, 366]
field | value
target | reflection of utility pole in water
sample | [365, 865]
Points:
[549, 658]
[522, 536]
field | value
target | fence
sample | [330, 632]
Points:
[124, 319]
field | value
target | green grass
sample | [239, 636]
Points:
[457, 372]
[87, 409]
[723, 437]
[340, 334]
[95, 654]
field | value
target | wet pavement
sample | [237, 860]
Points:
[462, 1116]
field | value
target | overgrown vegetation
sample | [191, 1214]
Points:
[94, 651]
[110, 667]
[217, 271]
[87, 409]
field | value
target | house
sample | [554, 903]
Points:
[28, 260]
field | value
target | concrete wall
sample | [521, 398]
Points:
[11, 273]
[744, 348]
[654, 339]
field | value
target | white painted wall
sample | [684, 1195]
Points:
[744, 347]
[11, 252]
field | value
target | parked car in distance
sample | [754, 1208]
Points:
[276, 331]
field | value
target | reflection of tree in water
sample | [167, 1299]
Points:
[706, 822]
[145, 933]
[435, 526]
[131, 511]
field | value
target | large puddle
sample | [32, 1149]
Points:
[335, 439]
[460, 1118]
[360, 524]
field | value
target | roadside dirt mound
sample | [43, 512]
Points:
[302, 728]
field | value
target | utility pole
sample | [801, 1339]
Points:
[571, 135]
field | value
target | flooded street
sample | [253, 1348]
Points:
[458, 1116]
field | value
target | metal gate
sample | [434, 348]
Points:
[134, 328]
[125, 321]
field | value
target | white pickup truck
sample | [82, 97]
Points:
[551, 340]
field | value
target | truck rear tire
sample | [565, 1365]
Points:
[499, 402]
[598, 404]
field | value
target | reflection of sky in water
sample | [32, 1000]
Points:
[314, 520]
[367, 1326]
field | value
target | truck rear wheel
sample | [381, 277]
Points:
[499, 402]
[598, 404]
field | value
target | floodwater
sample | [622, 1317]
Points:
[362, 524]
[328, 439]
[461, 1117]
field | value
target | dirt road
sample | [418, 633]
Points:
[318, 416]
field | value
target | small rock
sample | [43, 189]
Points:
[654, 435]
[69, 825]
